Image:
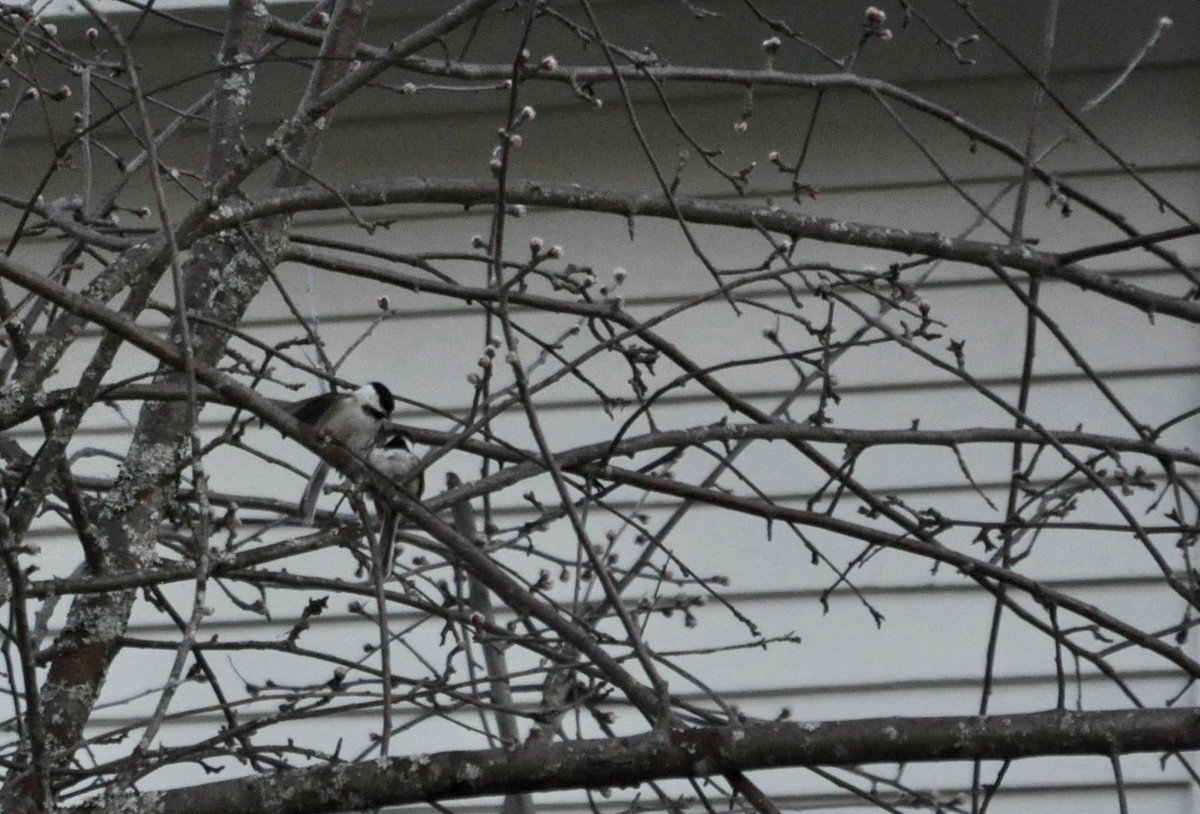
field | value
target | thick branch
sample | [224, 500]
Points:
[684, 753]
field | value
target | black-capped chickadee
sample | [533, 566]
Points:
[352, 419]
[393, 457]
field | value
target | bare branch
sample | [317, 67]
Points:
[681, 753]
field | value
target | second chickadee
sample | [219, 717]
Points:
[352, 419]
[393, 458]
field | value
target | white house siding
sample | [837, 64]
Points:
[927, 657]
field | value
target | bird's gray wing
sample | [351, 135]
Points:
[311, 410]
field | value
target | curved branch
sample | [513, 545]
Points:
[579, 76]
[466, 192]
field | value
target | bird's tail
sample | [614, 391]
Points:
[386, 544]
[308, 501]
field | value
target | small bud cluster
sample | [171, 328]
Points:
[484, 362]
[536, 244]
[509, 137]
[875, 20]
[609, 293]
[770, 47]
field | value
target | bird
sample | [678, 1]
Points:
[352, 419]
[393, 457]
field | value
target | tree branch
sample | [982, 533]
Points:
[608, 762]
[465, 192]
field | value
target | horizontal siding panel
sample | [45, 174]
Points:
[920, 476]
[693, 406]
[1147, 122]
[803, 702]
[1064, 797]
[595, 145]
[906, 646]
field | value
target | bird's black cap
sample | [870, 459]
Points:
[386, 400]
[394, 439]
